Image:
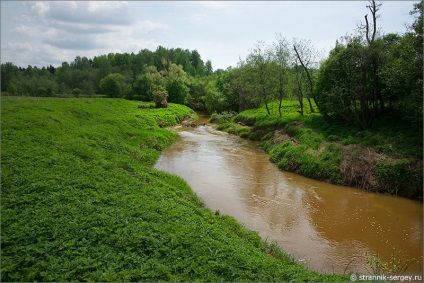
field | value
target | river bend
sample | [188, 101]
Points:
[327, 227]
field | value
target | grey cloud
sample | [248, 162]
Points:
[90, 12]
[73, 42]
[77, 28]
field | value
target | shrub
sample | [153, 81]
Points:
[76, 92]
[222, 117]
[401, 177]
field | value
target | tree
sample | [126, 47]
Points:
[154, 83]
[299, 86]
[363, 77]
[306, 56]
[370, 32]
[160, 96]
[281, 57]
[260, 71]
[175, 83]
[8, 72]
[343, 85]
[208, 68]
[114, 85]
[177, 91]
[215, 100]
[401, 74]
[374, 53]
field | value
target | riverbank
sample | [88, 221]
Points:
[81, 202]
[387, 158]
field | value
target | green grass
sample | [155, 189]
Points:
[80, 201]
[386, 158]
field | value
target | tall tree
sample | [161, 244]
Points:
[282, 57]
[114, 85]
[306, 57]
[374, 53]
[259, 60]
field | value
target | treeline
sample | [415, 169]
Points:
[365, 76]
[114, 75]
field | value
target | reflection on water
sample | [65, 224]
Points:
[328, 227]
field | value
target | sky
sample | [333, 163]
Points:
[42, 33]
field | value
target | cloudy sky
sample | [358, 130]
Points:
[41, 33]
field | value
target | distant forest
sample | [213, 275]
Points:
[366, 75]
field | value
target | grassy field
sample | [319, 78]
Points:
[80, 201]
[386, 158]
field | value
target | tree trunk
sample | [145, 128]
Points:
[279, 106]
[301, 105]
[310, 105]
[266, 106]
[311, 88]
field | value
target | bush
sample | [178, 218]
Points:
[401, 177]
[76, 92]
[222, 118]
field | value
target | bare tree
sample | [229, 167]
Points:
[306, 55]
[374, 52]
[298, 90]
[281, 56]
[374, 8]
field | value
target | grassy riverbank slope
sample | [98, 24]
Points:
[387, 158]
[80, 201]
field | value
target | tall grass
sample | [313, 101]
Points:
[80, 201]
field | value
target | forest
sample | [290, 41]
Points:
[366, 75]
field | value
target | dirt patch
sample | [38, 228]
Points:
[246, 121]
[281, 136]
[358, 165]
[297, 124]
[134, 137]
[317, 152]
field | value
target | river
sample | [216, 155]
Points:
[328, 228]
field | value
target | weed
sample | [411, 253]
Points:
[394, 267]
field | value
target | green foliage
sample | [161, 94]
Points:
[113, 85]
[215, 101]
[178, 92]
[341, 88]
[81, 202]
[76, 92]
[401, 177]
[360, 80]
[160, 95]
[86, 74]
[221, 118]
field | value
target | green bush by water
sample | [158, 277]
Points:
[81, 202]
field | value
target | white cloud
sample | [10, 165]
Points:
[46, 31]
[105, 6]
[148, 26]
[38, 8]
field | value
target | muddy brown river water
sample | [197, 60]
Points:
[328, 228]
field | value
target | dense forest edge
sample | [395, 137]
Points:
[81, 202]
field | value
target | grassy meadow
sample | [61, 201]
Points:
[80, 201]
[387, 158]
